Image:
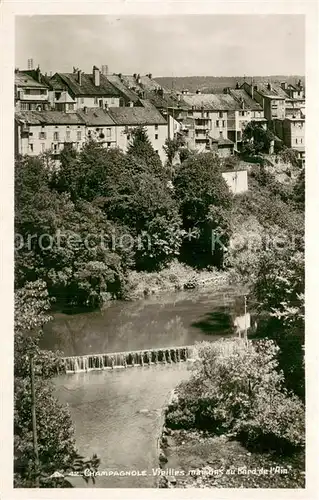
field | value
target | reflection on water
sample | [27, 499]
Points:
[168, 321]
[117, 414]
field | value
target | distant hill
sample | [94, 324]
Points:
[211, 84]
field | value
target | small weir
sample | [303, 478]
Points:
[75, 364]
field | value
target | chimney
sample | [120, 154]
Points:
[237, 85]
[134, 76]
[120, 76]
[85, 109]
[283, 85]
[79, 73]
[269, 86]
[96, 76]
[150, 76]
[105, 69]
[242, 103]
[38, 72]
[106, 106]
[138, 79]
[131, 104]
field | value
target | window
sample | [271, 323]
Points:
[95, 100]
[156, 151]
[156, 127]
[207, 114]
[42, 147]
[108, 132]
[43, 91]
[71, 107]
[108, 144]
[296, 141]
[156, 136]
[243, 113]
[55, 136]
[78, 135]
[223, 123]
[82, 100]
[57, 95]
[24, 106]
[301, 141]
[217, 123]
[220, 114]
[27, 91]
[55, 148]
[42, 135]
[31, 147]
[68, 134]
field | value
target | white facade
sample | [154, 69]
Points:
[97, 102]
[237, 181]
[157, 135]
[38, 139]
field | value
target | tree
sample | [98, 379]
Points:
[172, 147]
[256, 139]
[142, 149]
[56, 448]
[205, 207]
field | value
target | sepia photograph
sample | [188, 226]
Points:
[159, 277]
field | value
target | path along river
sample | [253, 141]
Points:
[117, 413]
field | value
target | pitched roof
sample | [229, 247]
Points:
[249, 103]
[137, 116]
[87, 86]
[49, 118]
[275, 90]
[116, 81]
[222, 141]
[95, 116]
[212, 102]
[22, 79]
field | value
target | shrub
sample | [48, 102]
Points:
[236, 387]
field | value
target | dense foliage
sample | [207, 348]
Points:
[205, 208]
[55, 433]
[83, 227]
[237, 388]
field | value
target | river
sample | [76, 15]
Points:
[170, 320]
[117, 413]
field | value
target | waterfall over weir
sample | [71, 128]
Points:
[74, 364]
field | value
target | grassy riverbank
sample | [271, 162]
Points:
[175, 277]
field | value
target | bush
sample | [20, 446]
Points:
[277, 421]
[237, 388]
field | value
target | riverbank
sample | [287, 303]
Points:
[175, 277]
[195, 459]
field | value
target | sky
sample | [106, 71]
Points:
[211, 45]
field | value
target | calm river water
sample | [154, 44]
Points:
[116, 413]
[170, 320]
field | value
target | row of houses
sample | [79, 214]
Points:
[70, 108]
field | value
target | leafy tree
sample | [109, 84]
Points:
[55, 433]
[145, 204]
[72, 248]
[205, 207]
[172, 147]
[256, 139]
[142, 149]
